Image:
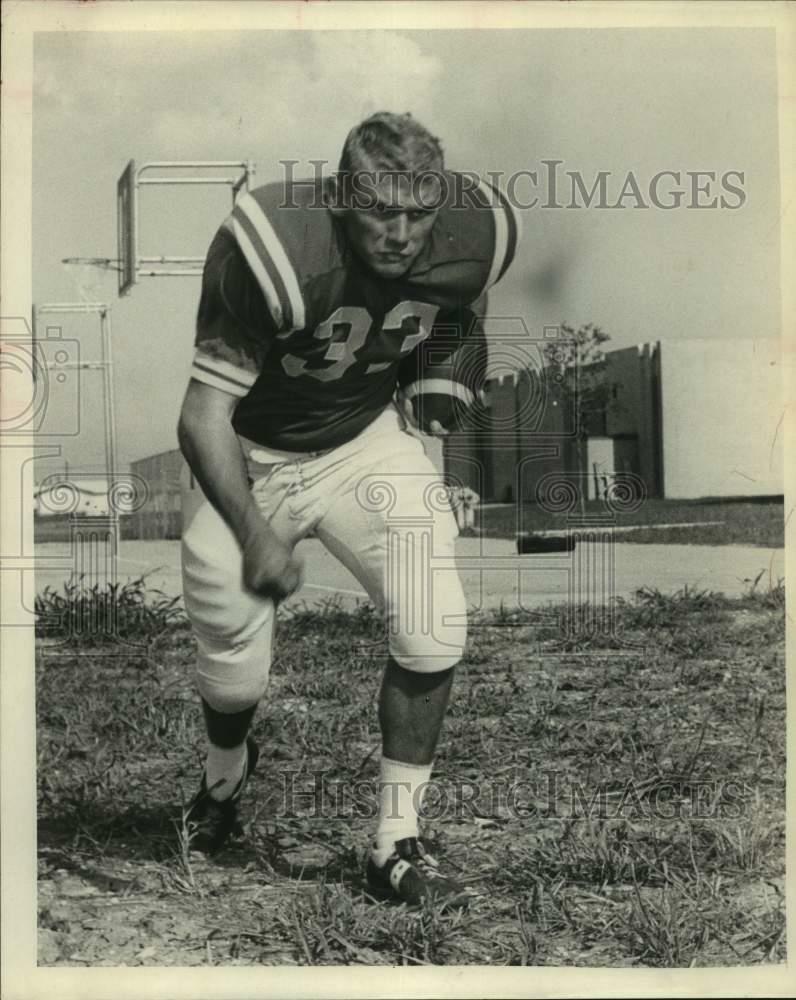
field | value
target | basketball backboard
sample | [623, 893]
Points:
[127, 228]
[132, 264]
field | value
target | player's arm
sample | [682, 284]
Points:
[444, 375]
[212, 450]
[229, 353]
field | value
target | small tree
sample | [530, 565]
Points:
[577, 363]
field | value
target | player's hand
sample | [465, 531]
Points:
[270, 568]
[407, 410]
[435, 428]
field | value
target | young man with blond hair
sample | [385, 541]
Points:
[316, 296]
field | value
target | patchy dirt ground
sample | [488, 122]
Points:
[612, 800]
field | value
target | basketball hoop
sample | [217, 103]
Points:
[89, 276]
[132, 264]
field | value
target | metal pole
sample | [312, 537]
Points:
[237, 182]
[171, 260]
[114, 528]
[70, 307]
[245, 179]
[136, 234]
[183, 164]
[187, 180]
[110, 402]
[197, 272]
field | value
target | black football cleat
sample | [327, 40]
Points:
[411, 875]
[210, 824]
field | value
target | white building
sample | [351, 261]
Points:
[723, 417]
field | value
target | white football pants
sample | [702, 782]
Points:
[379, 506]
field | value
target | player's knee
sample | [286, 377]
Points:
[231, 694]
[233, 676]
[428, 663]
[430, 653]
[428, 635]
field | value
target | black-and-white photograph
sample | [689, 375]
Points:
[394, 428]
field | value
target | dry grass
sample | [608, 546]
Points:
[612, 800]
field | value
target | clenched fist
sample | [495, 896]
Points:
[270, 567]
[435, 428]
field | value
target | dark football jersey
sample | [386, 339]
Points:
[310, 340]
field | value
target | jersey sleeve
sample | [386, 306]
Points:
[233, 327]
[506, 232]
[264, 232]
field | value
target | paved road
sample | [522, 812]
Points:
[491, 570]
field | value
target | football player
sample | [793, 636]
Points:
[314, 294]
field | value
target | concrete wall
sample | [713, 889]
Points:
[520, 438]
[625, 413]
[722, 404]
[544, 432]
[634, 413]
[462, 462]
[531, 430]
[503, 439]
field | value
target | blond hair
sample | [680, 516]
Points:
[391, 142]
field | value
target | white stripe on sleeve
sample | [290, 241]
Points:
[249, 207]
[501, 234]
[443, 386]
[260, 273]
[222, 375]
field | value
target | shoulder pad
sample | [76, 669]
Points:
[473, 242]
[284, 234]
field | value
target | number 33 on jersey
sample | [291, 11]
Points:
[310, 340]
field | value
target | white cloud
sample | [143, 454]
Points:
[374, 71]
[286, 96]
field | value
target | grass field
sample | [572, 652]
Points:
[615, 800]
[740, 522]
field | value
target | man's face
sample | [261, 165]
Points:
[391, 219]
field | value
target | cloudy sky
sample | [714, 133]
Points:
[616, 100]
